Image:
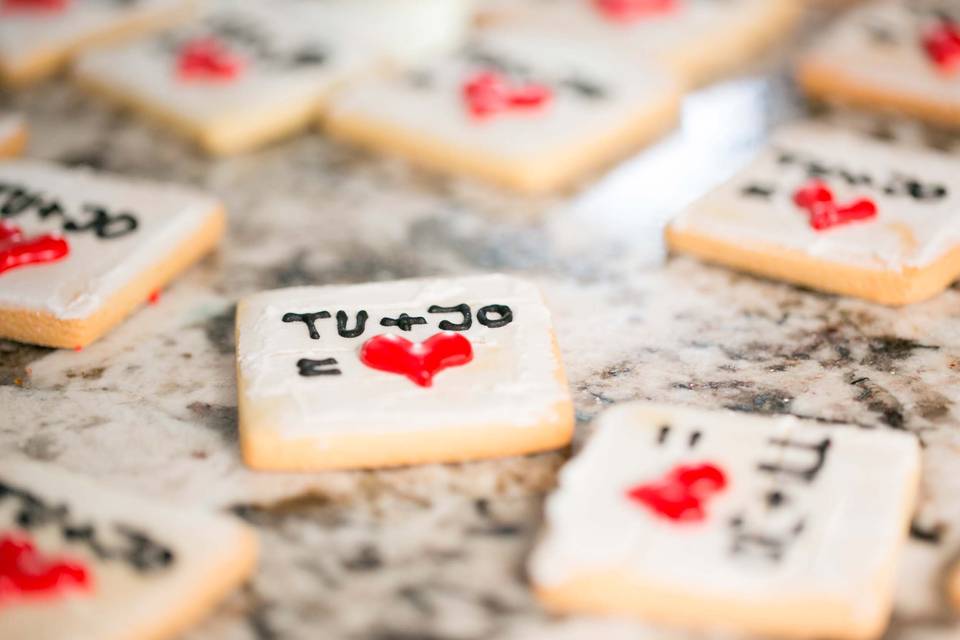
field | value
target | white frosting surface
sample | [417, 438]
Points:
[428, 100]
[880, 44]
[854, 510]
[907, 232]
[268, 37]
[24, 34]
[10, 125]
[512, 379]
[96, 268]
[122, 602]
[684, 32]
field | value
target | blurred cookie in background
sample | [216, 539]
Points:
[530, 112]
[698, 39]
[894, 55]
[38, 37]
[248, 73]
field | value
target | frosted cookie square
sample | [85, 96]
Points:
[697, 39]
[397, 373]
[247, 73]
[80, 250]
[13, 135]
[532, 113]
[82, 560]
[721, 520]
[893, 54]
[37, 37]
[835, 211]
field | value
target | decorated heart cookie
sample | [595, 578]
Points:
[529, 112]
[891, 54]
[79, 250]
[716, 519]
[246, 73]
[695, 38]
[81, 560]
[836, 211]
[398, 373]
[38, 36]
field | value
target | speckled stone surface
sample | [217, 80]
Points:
[437, 552]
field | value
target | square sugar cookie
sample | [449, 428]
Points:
[80, 250]
[901, 55]
[697, 39]
[531, 113]
[81, 560]
[835, 211]
[37, 37]
[13, 135]
[721, 520]
[247, 73]
[396, 373]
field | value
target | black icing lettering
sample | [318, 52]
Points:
[309, 368]
[463, 309]
[504, 316]
[308, 319]
[584, 88]
[17, 201]
[806, 473]
[358, 328]
[103, 224]
[308, 56]
[139, 550]
[768, 546]
[403, 322]
[758, 191]
[142, 552]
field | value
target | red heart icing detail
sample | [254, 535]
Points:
[488, 93]
[17, 251]
[45, 6]
[207, 59]
[630, 10]
[817, 198]
[942, 44]
[419, 362]
[680, 495]
[25, 571]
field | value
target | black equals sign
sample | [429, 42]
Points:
[309, 368]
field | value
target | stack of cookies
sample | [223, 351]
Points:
[710, 520]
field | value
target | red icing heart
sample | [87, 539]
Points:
[680, 495]
[488, 93]
[817, 198]
[45, 6]
[418, 361]
[17, 251]
[630, 10]
[942, 44]
[207, 59]
[25, 571]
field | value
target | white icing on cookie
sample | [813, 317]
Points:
[688, 31]
[880, 44]
[515, 377]
[148, 565]
[807, 514]
[291, 53]
[96, 268]
[25, 33]
[917, 194]
[591, 95]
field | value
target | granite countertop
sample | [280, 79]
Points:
[437, 551]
